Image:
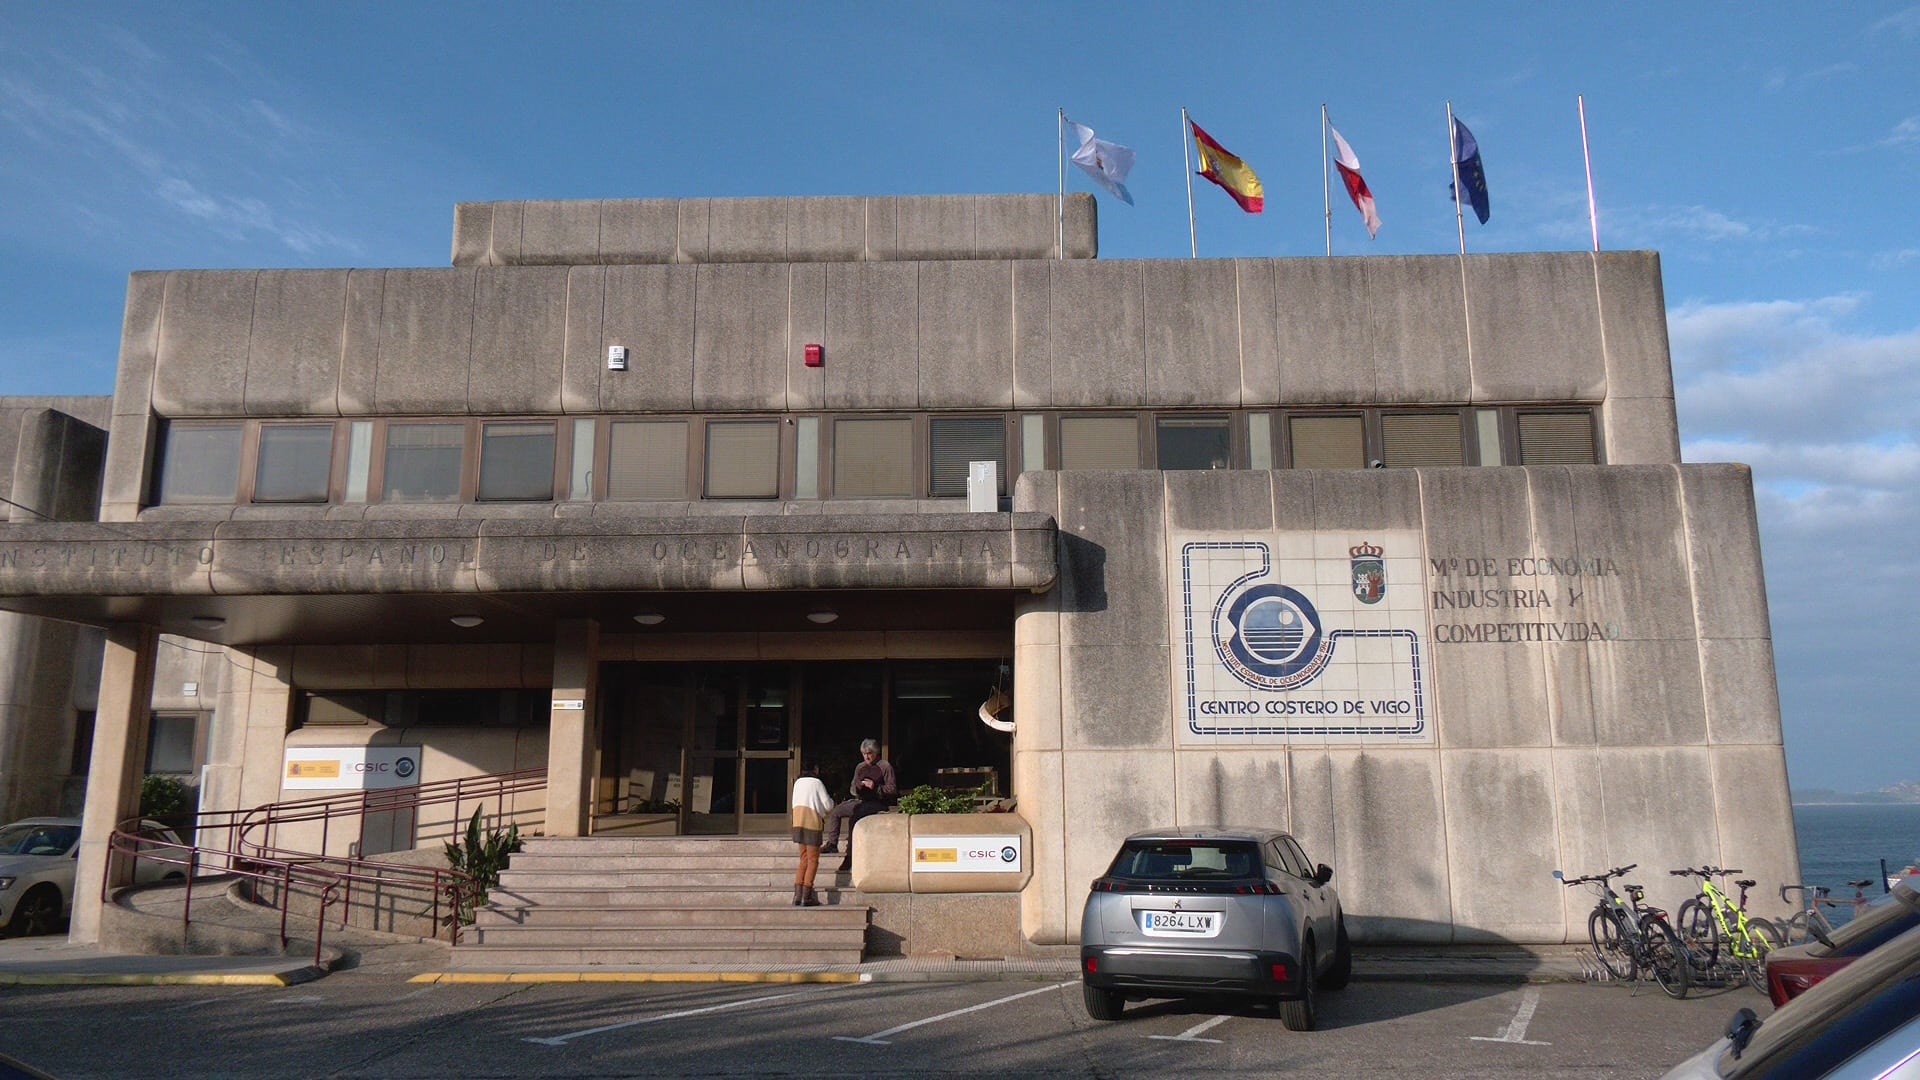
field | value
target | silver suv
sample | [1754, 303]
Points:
[1201, 912]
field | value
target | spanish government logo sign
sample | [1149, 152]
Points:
[1300, 637]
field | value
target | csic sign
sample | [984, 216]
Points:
[966, 855]
[350, 768]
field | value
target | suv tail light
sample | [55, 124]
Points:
[1263, 888]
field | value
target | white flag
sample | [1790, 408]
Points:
[1108, 163]
[1349, 165]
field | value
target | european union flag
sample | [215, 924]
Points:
[1466, 151]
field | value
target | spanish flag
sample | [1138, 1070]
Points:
[1232, 174]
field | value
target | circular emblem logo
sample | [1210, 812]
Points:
[1009, 853]
[403, 768]
[1270, 637]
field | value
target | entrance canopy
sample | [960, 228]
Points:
[426, 578]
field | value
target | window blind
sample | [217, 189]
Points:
[1409, 439]
[647, 459]
[1099, 442]
[1556, 439]
[1328, 442]
[743, 459]
[872, 458]
[957, 442]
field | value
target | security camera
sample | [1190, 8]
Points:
[1376, 463]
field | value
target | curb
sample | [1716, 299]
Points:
[278, 979]
[452, 977]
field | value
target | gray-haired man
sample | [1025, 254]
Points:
[873, 789]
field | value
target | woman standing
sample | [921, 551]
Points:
[811, 805]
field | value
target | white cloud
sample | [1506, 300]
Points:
[1905, 23]
[1904, 133]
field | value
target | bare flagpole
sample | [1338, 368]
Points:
[1453, 154]
[1593, 212]
[1060, 203]
[1326, 185]
[1186, 155]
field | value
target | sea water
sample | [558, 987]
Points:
[1841, 843]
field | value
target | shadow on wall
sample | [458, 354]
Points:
[1083, 572]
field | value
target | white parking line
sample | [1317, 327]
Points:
[879, 1038]
[562, 1040]
[1190, 1035]
[1516, 1031]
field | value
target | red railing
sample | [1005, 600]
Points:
[247, 847]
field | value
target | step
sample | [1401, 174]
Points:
[653, 861]
[654, 845]
[482, 958]
[669, 936]
[660, 896]
[700, 880]
[705, 919]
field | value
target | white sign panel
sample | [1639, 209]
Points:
[1289, 638]
[352, 768]
[966, 855]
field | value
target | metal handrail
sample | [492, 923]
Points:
[247, 851]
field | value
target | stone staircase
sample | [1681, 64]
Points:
[661, 901]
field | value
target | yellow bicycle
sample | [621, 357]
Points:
[1722, 940]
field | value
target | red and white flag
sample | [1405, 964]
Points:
[1349, 166]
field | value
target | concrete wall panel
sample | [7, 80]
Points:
[1640, 431]
[1032, 335]
[1390, 849]
[519, 340]
[360, 343]
[1323, 333]
[1755, 821]
[426, 337]
[1020, 228]
[1192, 333]
[1039, 785]
[1742, 698]
[966, 335]
[1116, 696]
[1659, 813]
[639, 230]
[1099, 357]
[293, 357]
[746, 230]
[930, 227]
[650, 310]
[554, 233]
[740, 342]
[872, 352]
[1723, 547]
[1633, 305]
[1419, 331]
[1233, 788]
[1629, 519]
[1113, 559]
[1110, 794]
[1259, 329]
[833, 230]
[201, 366]
[1530, 306]
[583, 357]
[1219, 499]
[1647, 693]
[1498, 857]
[806, 388]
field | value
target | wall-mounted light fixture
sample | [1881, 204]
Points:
[649, 618]
[822, 615]
[207, 622]
[466, 622]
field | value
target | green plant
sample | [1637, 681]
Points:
[162, 797]
[481, 857]
[927, 799]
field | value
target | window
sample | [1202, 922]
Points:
[1563, 438]
[1099, 442]
[423, 462]
[170, 742]
[957, 442]
[296, 461]
[1193, 442]
[743, 459]
[1328, 442]
[438, 708]
[1409, 439]
[872, 458]
[516, 462]
[647, 459]
[201, 463]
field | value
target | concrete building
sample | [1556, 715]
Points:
[1396, 553]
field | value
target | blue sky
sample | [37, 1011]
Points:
[1769, 152]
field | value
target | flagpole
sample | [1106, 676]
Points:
[1060, 203]
[1593, 213]
[1186, 155]
[1453, 154]
[1326, 184]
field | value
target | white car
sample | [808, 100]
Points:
[37, 859]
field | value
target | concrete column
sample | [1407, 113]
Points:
[118, 766]
[571, 740]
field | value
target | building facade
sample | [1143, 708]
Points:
[668, 496]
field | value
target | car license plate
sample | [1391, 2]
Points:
[1180, 923]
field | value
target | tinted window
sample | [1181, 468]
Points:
[516, 462]
[1193, 442]
[1299, 857]
[295, 462]
[423, 461]
[201, 464]
[958, 441]
[1186, 860]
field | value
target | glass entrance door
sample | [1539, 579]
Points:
[740, 749]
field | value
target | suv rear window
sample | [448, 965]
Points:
[1186, 860]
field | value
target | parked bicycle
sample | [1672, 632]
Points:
[1631, 938]
[1724, 942]
[1810, 923]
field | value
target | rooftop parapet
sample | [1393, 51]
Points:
[615, 232]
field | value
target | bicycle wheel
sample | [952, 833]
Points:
[1610, 945]
[1700, 932]
[1768, 932]
[1762, 937]
[1666, 957]
[1796, 929]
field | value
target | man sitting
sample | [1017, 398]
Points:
[874, 788]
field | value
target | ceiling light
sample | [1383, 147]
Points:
[467, 621]
[208, 622]
[649, 618]
[823, 616]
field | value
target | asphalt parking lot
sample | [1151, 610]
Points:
[357, 1024]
